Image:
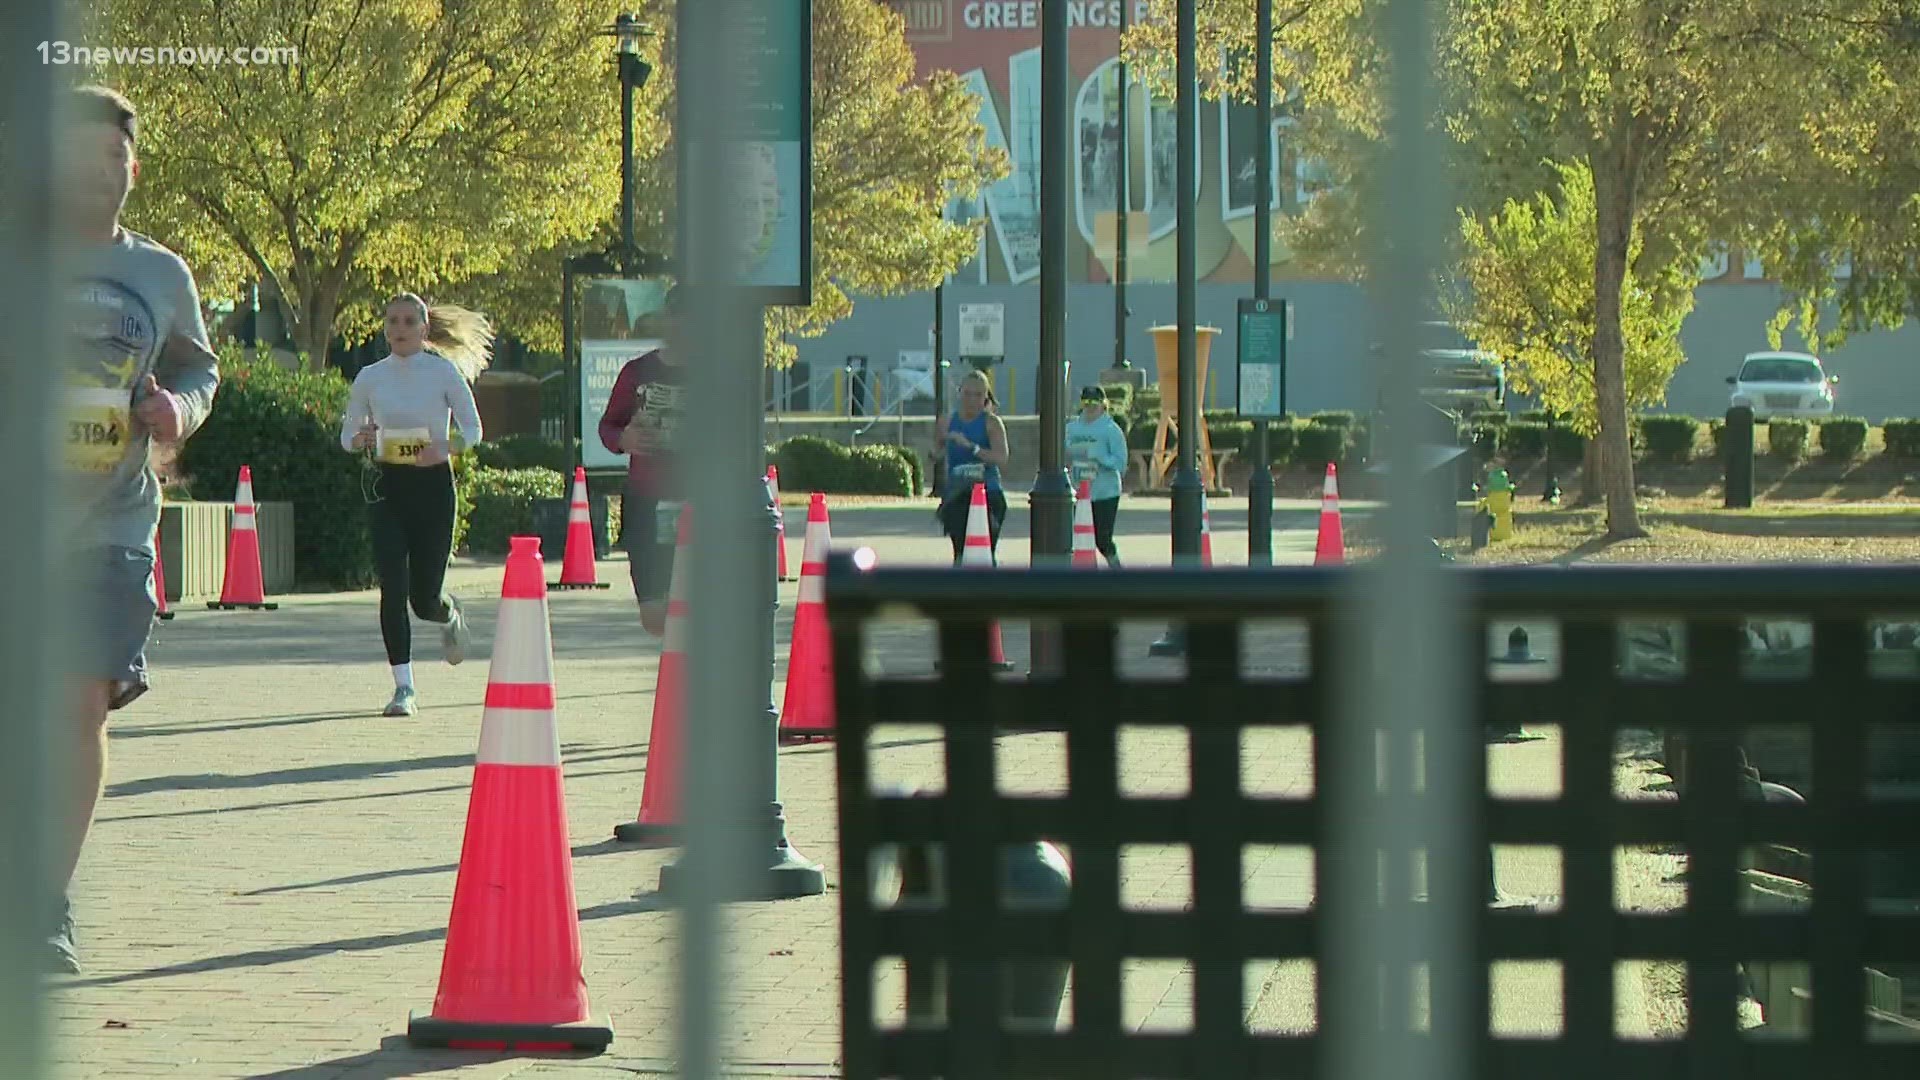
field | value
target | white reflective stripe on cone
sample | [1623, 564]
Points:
[519, 737]
[813, 587]
[578, 514]
[522, 649]
[676, 635]
[244, 496]
[243, 520]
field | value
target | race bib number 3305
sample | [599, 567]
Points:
[99, 425]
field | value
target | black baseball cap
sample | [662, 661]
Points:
[1093, 394]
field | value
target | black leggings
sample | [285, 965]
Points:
[1105, 511]
[412, 540]
[959, 505]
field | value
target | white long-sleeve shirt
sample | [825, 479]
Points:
[412, 393]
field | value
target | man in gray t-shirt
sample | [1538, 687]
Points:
[138, 371]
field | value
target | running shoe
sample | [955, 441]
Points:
[454, 633]
[402, 703]
[62, 957]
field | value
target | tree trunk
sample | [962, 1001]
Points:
[1613, 198]
[314, 334]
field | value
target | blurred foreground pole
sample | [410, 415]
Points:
[1416, 718]
[31, 631]
[735, 833]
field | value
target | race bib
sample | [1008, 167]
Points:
[403, 446]
[666, 522]
[1084, 470]
[972, 471]
[99, 428]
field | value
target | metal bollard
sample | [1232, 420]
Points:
[1033, 876]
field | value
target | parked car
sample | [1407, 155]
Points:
[1457, 376]
[1785, 384]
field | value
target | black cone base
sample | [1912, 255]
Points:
[588, 1035]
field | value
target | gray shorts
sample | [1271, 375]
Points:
[114, 623]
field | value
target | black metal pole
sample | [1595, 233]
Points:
[1050, 505]
[1123, 204]
[938, 471]
[625, 22]
[1186, 487]
[570, 365]
[1260, 484]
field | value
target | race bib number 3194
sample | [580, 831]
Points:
[99, 425]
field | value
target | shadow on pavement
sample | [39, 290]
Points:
[326, 774]
[582, 851]
[397, 1057]
[295, 953]
[287, 804]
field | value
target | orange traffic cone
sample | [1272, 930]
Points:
[659, 817]
[1206, 533]
[577, 568]
[1084, 553]
[808, 711]
[1330, 547]
[979, 552]
[780, 521]
[159, 582]
[243, 586]
[511, 976]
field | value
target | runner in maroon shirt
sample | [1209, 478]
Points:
[642, 421]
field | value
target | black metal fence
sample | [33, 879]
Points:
[1840, 702]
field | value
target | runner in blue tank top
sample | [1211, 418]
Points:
[975, 443]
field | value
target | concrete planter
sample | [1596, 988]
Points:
[193, 547]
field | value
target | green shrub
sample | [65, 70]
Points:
[1230, 434]
[1486, 439]
[1669, 436]
[1524, 439]
[1140, 436]
[1787, 438]
[503, 501]
[1533, 416]
[1902, 436]
[1333, 418]
[524, 452]
[809, 463]
[1717, 431]
[1566, 443]
[1316, 444]
[1843, 437]
[1489, 419]
[286, 425]
[916, 466]
[1281, 441]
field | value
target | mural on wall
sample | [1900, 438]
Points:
[994, 45]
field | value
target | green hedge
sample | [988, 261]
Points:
[1524, 439]
[808, 463]
[502, 505]
[286, 425]
[1333, 418]
[1717, 431]
[1317, 443]
[1902, 436]
[1788, 438]
[1567, 444]
[1843, 436]
[524, 452]
[1670, 436]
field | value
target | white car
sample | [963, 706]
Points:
[1783, 384]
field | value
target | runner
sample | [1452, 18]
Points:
[1097, 451]
[399, 413]
[642, 420]
[141, 373]
[976, 444]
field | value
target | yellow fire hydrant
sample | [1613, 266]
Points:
[1499, 505]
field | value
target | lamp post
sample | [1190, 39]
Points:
[1123, 203]
[937, 470]
[1260, 484]
[1186, 487]
[634, 71]
[1050, 505]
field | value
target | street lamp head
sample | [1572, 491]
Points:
[626, 33]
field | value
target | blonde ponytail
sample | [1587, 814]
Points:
[462, 335]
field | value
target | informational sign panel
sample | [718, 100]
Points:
[983, 331]
[619, 321]
[771, 155]
[1262, 355]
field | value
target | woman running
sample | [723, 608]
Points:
[975, 442]
[399, 412]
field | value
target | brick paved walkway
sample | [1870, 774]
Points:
[267, 887]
